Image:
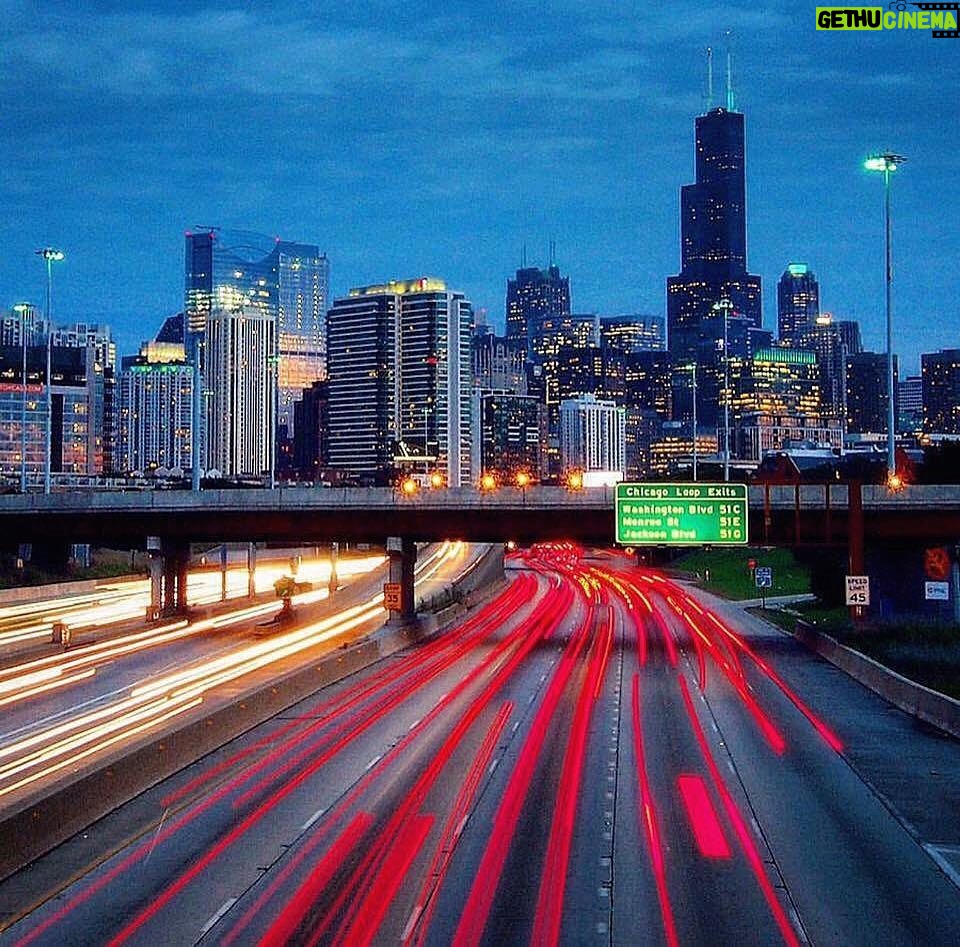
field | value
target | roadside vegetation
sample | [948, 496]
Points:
[727, 571]
[104, 564]
[924, 652]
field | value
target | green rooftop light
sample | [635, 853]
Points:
[797, 269]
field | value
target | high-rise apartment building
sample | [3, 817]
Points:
[592, 435]
[798, 302]
[940, 372]
[23, 319]
[239, 347]
[533, 295]
[303, 279]
[399, 365]
[77, 397]
[154, 420]
[713, 236]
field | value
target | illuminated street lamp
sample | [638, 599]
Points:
[409, 486]
[488, 482]
[887, 163]
[50, 256]
[23, 309]
[692, 368]
[523, 479]
[575, 480]
[436, 480]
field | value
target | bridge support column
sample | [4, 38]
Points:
[251, 570]
[155, 608]
[176, 558]
[403, 560]
[334, 557]
[224, 554]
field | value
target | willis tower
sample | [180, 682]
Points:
[713, 234]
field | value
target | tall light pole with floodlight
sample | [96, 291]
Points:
[726, 307]
[23, 309]
[49, 256]
[887, 162]
[692, 368]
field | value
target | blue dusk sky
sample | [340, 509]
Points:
[411, 138]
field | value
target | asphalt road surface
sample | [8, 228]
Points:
[595, 756]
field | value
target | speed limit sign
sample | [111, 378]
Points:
[858, 590]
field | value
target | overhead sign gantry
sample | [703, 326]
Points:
[681, 514]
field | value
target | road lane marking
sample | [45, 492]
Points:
[229, 903]
[372, 763]
[936, 852]
[306, 825]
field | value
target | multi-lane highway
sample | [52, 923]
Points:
[65, 710]
[597, 755]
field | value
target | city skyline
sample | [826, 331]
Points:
[574, 130]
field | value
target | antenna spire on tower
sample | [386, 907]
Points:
[729, 76]
[709, 78]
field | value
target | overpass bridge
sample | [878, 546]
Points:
[835, 515]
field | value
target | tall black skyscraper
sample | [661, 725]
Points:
[533, 295]
[798, 303]
[713, 237]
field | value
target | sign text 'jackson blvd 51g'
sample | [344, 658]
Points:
[681, 514]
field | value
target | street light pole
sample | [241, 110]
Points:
[693, 370]
[725, 305]
[888, 163]
[22, 308]
[49, 255]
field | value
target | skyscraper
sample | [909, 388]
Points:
[634, 333]
[533, 295]
[399, 367]
[713, 236]
[239, 346]
[940, 372]
[867, 392]
[592, 435]
[228, 270]
[154, 417]
[303, 278]
[798, 302]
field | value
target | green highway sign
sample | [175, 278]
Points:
[681, 514]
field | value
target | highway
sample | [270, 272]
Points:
[31, 622]
[596, 755]
[69, 708]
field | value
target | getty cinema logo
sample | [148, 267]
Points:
[940, 18]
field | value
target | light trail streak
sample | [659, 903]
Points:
[528, 634]
[739, 825]
[703, 817]
[86, 734]
[553, 880]
[112, 605]
[302, 774]
[649, 823]
[419, 923]
[476, 911]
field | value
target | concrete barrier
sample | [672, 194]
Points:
[34, 826]
[40, 593]
[915, 699]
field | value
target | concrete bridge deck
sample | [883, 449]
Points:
[786, 515]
